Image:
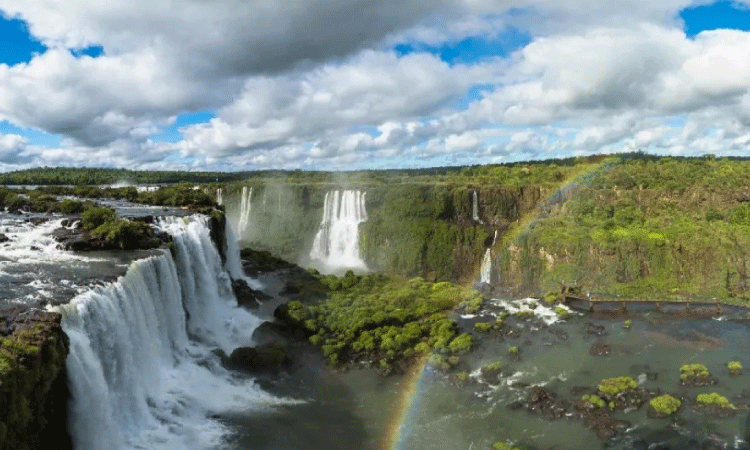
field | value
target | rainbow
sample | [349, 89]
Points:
[407, 405]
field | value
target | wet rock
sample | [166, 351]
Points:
[600, 349]
[33, 383]
[4, 238]
[696, 381]
[247, 296]
[263, 359]
[714, 410]
[545, 404]
[594, 329]
[577, 391]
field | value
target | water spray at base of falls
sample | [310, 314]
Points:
[336, 244]
[142, 369]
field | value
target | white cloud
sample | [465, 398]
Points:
[313, 84]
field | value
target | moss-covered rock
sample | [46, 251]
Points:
[663, 406]
[33, 391]
[696, 375]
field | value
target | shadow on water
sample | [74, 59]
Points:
[325, 418]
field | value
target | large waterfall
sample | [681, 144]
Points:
[141, 368]
[245, 209]
[336, 244]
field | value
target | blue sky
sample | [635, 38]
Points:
[468, 84]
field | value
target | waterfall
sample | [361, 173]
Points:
[141, 368]
[336, 243]
[485, 274]
[219, 196]
[245, 209]
[475, 207]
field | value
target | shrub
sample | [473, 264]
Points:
[665, 404]
[461, 343]
[492, 367]
[714, 399]
[525, 314]
[482, 327]
[594, 400]
[617, 385]
[513, 350]
[124, 233]
[97, 216]
[562, 312]
[734, 366]
[70, 207]
[504, 446]
[693, 371]
[462, 376]
[627, 324]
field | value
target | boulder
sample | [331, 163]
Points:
[264, 359]
[247, 296]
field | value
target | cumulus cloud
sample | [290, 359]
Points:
[316, 84]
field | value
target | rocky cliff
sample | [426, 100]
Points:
[33, 388]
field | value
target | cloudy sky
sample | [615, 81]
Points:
[349, 84]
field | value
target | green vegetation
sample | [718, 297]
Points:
[376, 317]
[714, 399]
[592, 401]
[90, 176]
[562, 312]
[96, 217]
[463, 376]
[615, 386]
[492, 367]
[665, 404]
[693, 371]
[513, 350]
[735, 367]
[525, 314]
[30, 362]
[627, 324]
[482, 327]
[643, 227]
[505, 446]
[103, 223]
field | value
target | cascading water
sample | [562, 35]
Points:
[245, 209]
[485, 274]
[141, 368]
[219, 196]
[475, 207]
[336, 243]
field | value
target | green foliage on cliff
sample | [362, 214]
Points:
[644, 228]
[376, 317]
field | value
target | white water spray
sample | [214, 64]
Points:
[141, 369]
[485, 275]
[245, 209]
[219, 196]
[336, 244]
[475, 207]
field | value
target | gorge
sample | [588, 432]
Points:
[151, 332]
